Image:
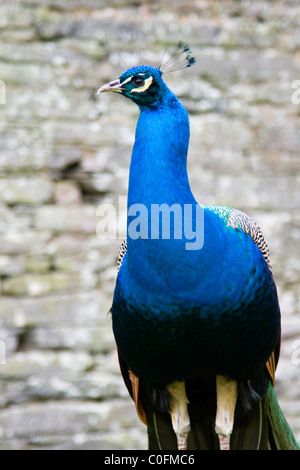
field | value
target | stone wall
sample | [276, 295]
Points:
[64, 152]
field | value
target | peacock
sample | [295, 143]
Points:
[195, 311]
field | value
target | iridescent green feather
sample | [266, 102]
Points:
[241, 221]
[282, 434]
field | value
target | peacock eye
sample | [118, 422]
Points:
[137, 81]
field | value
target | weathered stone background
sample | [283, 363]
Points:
[63, 152]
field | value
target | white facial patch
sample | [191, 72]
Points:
[145, 87]
[126, 81]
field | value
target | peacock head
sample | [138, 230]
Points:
[144, 84]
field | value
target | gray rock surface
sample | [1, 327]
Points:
[65, 152]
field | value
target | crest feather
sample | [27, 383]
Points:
[180, 59]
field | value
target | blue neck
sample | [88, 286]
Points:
[158, 175]
[158, 166]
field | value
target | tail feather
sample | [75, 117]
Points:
[280, 431]
[262, 428]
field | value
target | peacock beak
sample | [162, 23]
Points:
[115, 85]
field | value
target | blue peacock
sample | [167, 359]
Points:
[197, 328]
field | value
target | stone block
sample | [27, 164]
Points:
[22, 190]
[33, 285]
[80, 218]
